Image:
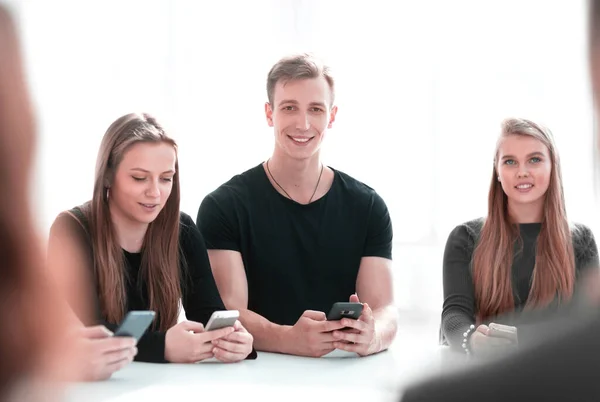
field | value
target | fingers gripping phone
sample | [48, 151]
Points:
[345, 310]
[135, 324]
[503, 331]
[222, 319]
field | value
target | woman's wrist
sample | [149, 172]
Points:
[466, 345]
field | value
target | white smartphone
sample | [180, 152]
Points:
[222, 319]
[503, 331]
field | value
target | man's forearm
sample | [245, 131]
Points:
[386, 326]
[268, 336]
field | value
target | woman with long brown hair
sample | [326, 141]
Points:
[140, 252]
[564, 366]
[524, 255]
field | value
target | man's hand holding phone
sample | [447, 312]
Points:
[358, 335]
[311, 335]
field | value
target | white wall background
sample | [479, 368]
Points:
[422, 88]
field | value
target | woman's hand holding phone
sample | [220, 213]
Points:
[233, 347]
[487, 338]
[187, 342]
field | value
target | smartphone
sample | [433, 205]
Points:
[345, 310]
[222, 319]
[135, 324]
[503, 331]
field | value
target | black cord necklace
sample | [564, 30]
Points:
[283, 189]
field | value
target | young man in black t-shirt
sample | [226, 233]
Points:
[291, 236]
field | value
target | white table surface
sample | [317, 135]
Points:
[273, 377]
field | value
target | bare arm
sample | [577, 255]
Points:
[374, 287]
[66, 259]
[228, 271]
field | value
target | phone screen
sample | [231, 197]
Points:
[135, 324]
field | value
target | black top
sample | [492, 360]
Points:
[296, 256]
[459, 293]
[200, 297]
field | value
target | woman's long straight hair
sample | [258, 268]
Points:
[554, 271]
[160, 251]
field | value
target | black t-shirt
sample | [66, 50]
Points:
[200, 297]
[459, 292]
[296, 257]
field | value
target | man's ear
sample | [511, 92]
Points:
[332, 114]
[269, 114]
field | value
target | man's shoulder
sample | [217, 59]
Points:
[354, 186]
[239, 185]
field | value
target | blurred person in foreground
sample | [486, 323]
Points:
[42, 345]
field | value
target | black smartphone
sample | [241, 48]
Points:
[135, 324]
[345, 310]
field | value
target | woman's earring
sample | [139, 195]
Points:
[498, 178]
[107, 192]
